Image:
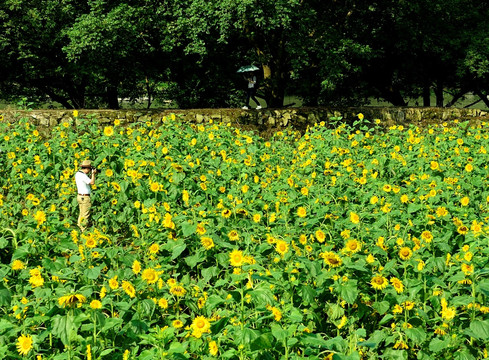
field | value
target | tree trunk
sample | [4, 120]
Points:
[394, 96]
[439, 94]
[426, 95]
[148, 91]
[483, 97]
[112, 100]
[456, 97]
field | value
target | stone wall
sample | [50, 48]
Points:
[298, 118]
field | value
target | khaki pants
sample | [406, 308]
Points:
[84, 203]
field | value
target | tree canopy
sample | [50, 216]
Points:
[334, 52]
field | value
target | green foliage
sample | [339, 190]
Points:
[209, 242]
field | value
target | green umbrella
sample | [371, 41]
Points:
[247, 68]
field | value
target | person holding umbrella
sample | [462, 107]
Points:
[250, 77]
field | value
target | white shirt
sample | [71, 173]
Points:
[251, 82]
[83, 183]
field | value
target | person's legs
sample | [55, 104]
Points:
[84, 204]
[249, 94]
[253, 97]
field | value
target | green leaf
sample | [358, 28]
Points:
[93, 273]
[264, 341]
[412, 208]
[188, 228]
[5, 325]
[209, 272]
[193, 260]
[63, 328]
[334, 311]
[177, 250]
[147, 307]
[278, 333]
[308, 294]
[106, 352]
[375, 339]
[484, 287]
[218, 325]
[295, 315]
[111, 323]
[5, 296]
[480, 329]
[313, 340]
[381, 306]
[213, 301]
[417, 335]
[391, 354]
[349, 293]
[463, 355]
[437, 345]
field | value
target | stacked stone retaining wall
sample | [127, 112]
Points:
[298, 118]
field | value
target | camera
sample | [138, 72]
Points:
[97, 170]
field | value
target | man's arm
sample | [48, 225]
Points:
[92, 180]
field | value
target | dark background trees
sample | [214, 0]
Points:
[335, 52]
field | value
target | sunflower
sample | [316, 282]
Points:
[441, 211]
[354, 218]
[462, 229]
[163, 303]
[201, 325]
[71, 300]
[236, 258]
[332, 259]
[178, 290]
[397, 284]
[113, 283]
[281, 247]
[427, 236]
[36, 281]
[233, 235]
[226, 213]
[405, 253]
[277, 314]
[465, 201]
[448, 313]
[301, 212]
[136, 267]
[379, 282]
[154, 248]
[467, 269]
[95, 304]
[207, 242]
[24, 344]
[150, 275]
[201, 229]
[90, 242]
[320, 236]
[40, 217]
[129, 289]
[108, 131]
[17, 265]
[353, 246]
[154, 187]
[387, 188]
[213, 348]
[177, 324]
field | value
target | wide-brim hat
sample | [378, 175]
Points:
[86, 164]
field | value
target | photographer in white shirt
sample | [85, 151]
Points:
[83, 185]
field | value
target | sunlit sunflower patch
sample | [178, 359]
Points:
[208, 241]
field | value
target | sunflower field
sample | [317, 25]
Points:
[207, 241]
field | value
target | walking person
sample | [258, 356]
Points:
[251, 91]
[83, 185]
